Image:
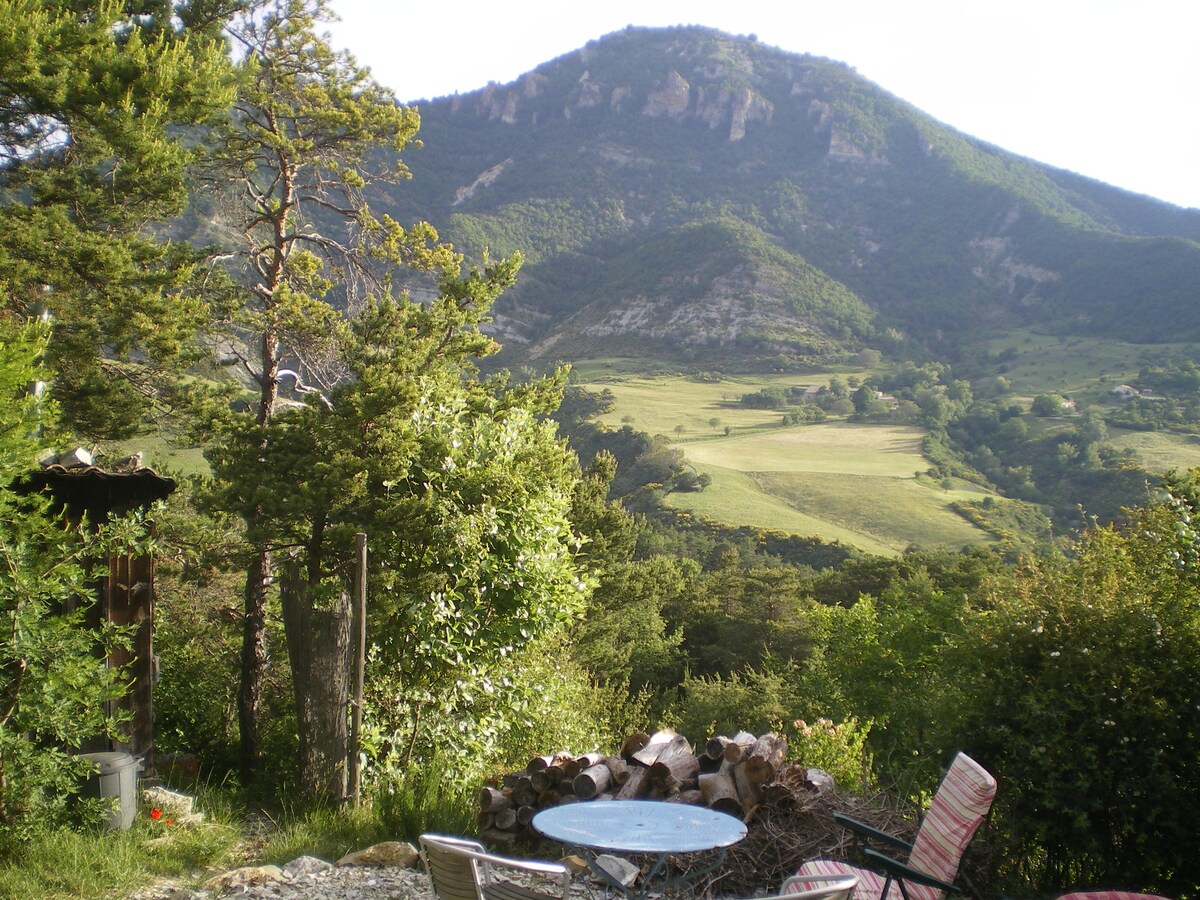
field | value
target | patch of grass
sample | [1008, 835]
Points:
[658, 405]
[736, 498]
[324, 832]
[892, 451]
[409, 806]
[586, 370]
[1043, 363]
[425, 801]
[163, 456]
[1158, 451]
[897, 512]
[95, 864]
[110, 864]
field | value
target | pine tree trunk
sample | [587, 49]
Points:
[319, 647]
[255, 655]
[254, 659]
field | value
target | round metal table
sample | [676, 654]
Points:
[649, 827]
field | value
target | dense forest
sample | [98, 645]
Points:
[527, 587]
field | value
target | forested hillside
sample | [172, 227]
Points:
[598, 164]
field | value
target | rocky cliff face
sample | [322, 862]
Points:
[721, 96]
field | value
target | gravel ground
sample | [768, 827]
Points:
[335, 883]
[308, 878]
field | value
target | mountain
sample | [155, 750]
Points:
[681, 191]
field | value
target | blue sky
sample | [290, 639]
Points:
[1106, 88]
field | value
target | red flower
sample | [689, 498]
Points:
[156, 814]
[170, 821]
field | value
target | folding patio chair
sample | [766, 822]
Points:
[959, 807]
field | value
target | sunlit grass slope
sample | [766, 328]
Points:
[845, 482]
[738, 498]
[1158, 451]
[886, 451]
[853, 483]
[703, 409]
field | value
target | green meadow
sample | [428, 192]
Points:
[1080, 367]
[1040, 363]
[1158, 451]
[690, 409]
[856, 484]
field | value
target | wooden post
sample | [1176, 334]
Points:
[360, 663]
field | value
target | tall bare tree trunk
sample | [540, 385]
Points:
[320, 649]
[254, 660]
[255, 655]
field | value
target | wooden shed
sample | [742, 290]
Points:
[126, 595]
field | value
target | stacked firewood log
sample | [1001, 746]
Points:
[736, 775]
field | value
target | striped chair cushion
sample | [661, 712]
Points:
[870, 884]
[959, 806]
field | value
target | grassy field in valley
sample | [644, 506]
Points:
[1075, 366]
[853, 483]
[666, 404]
[1158, 451]
[845, 482]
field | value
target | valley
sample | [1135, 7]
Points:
[863, 484]
[856, 484]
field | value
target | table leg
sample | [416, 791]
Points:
[668, 882]
[591, 858]
[651, 882]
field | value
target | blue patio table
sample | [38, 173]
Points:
[647, 827]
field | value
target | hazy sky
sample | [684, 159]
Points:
[1106, 88]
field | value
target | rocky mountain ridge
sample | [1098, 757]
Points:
[692, 191]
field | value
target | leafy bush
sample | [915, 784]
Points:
[57, 683]
[838, 748]
[751, 700]
[1078, 691]
[493, 719]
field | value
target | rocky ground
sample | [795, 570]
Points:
[307, 878]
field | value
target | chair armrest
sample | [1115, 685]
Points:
[552, 871]
[899, 870]
[532, 866]
[862, 829]
[834, 886]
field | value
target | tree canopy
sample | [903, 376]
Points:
[94, 100]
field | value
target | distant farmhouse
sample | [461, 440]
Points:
[1128, 392]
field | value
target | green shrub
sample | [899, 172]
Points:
[839, 749]
[750, 700]
[1078, 691]
[425, 799]
[57, 685]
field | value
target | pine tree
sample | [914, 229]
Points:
[309, 133]
[92, 100]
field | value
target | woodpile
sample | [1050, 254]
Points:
[739, 775]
